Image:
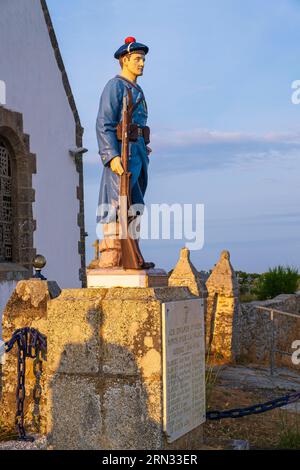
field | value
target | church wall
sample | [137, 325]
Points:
[34, 88]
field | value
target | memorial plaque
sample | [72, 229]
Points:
[183, 366]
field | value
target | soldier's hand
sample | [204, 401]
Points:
[116, 166]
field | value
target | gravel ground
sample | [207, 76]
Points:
[38, 444]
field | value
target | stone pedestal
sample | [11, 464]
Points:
[120, 277]
[105, 368]
[124, 370]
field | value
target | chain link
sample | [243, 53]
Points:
[254, 409]
[32, 344]
[37, 392]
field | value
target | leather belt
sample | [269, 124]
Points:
[135, 132]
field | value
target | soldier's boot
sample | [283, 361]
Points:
[110, 247]
[147, 264]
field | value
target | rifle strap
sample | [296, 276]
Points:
[133, 106]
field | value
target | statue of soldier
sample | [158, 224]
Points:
[131, 56]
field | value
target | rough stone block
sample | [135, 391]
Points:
[74, 412]
[130, 332]
[73, 332]
[126, 417]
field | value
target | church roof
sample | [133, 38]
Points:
[65, 80]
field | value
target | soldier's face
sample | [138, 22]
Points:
[135, 63]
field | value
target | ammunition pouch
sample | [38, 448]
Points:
[134, 132]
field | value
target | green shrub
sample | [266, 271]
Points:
[247, 285]
[248, 297]
[279, 280]
[289, 440]
[289, 430]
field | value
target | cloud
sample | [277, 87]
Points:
[201, 149]
[171, 138]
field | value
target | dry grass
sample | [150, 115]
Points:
[7, 434]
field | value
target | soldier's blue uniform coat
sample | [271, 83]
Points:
[109, 115]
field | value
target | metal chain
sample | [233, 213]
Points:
[31, 343]
[21, 392]
[37, 391]
[254, 409]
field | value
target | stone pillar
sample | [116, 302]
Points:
[105, 388]
[27, 307]
[185, 274]
[222, 308]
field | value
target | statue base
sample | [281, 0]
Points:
[120, 277]
[116, 377]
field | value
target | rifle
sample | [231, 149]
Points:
[132, 257]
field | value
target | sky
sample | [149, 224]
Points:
[225, 132]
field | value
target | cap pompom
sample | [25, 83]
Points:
[129, 40]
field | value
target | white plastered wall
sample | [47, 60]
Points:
[33, 87]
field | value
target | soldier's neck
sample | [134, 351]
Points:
[129, 76]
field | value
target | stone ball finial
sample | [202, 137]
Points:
[225, 254]
[39, 262]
